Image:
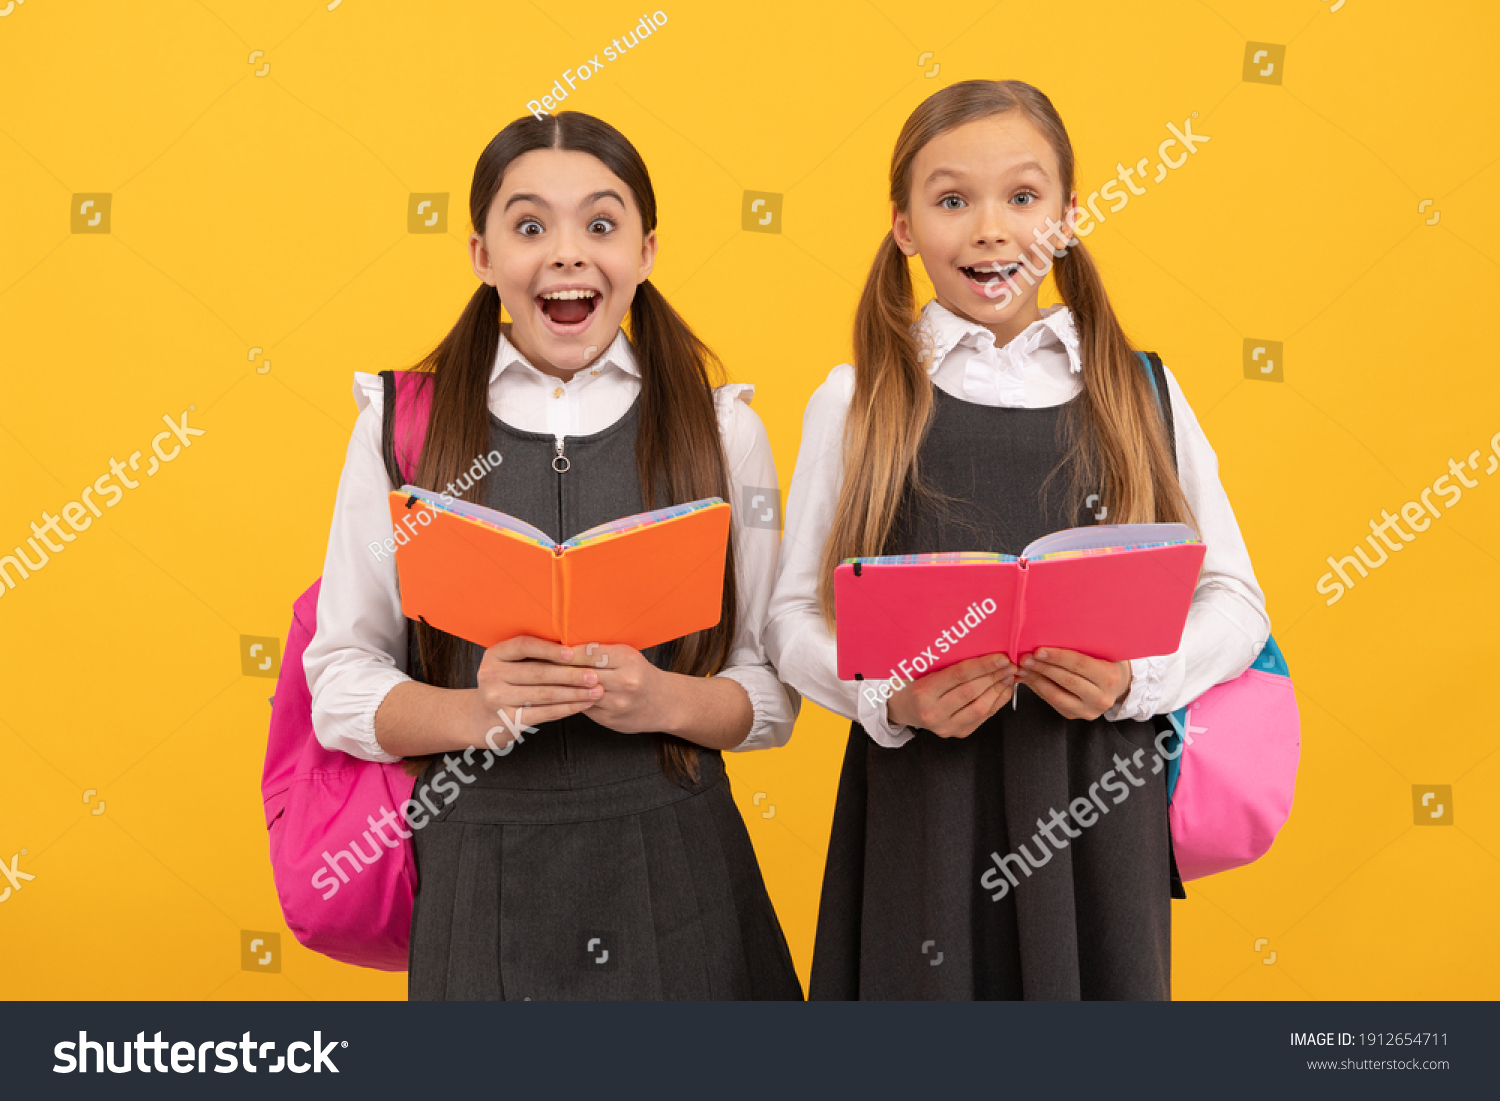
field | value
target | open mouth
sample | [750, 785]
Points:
[568, 311]
[987, 278]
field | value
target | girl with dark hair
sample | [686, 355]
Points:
[945, 434]
[602, 855]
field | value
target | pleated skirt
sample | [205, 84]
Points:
[583, 872]
[920, 837]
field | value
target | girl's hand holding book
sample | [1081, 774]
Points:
[533, 676]
[1076, 685]
[954, 702]
[636, 695]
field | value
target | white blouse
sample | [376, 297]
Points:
[359, 652]
[1227, 623]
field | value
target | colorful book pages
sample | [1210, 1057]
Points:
[500, 521]
[1055, 556]
[936, 556]
[640, 520]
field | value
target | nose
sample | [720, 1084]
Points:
[991, 226]
[568, 251]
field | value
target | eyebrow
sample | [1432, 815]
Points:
[954, 174]
[527, 197]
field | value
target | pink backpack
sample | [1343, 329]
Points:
[344, 872]
[1232, 753]
[1230, 787]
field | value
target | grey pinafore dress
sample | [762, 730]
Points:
[903, 912]
[574, 868]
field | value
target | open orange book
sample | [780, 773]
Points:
[485, 576]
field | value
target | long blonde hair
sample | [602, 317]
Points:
[1118, 441]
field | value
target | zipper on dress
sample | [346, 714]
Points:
[561, 463]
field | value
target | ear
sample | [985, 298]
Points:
[479, 259]
[648, 257]
[901, 231]
[1070, 218]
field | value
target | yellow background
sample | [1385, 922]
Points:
[271, 211]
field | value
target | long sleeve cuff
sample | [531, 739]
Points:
[1144, 698]
[874, 716]
[348, 725]
[775, 706]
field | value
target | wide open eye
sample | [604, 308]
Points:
[607, 223]
[523, 227]
[943, 202]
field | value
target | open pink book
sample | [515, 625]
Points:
[1111, 591]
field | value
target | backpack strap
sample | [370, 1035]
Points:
[1156, 375]
[388, 430]
[407, 401]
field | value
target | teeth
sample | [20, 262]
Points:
[565, 295]
[996, 266]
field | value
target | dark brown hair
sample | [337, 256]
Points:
[1118, 440]
[678, 446]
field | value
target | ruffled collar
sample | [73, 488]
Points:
[944, 330]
